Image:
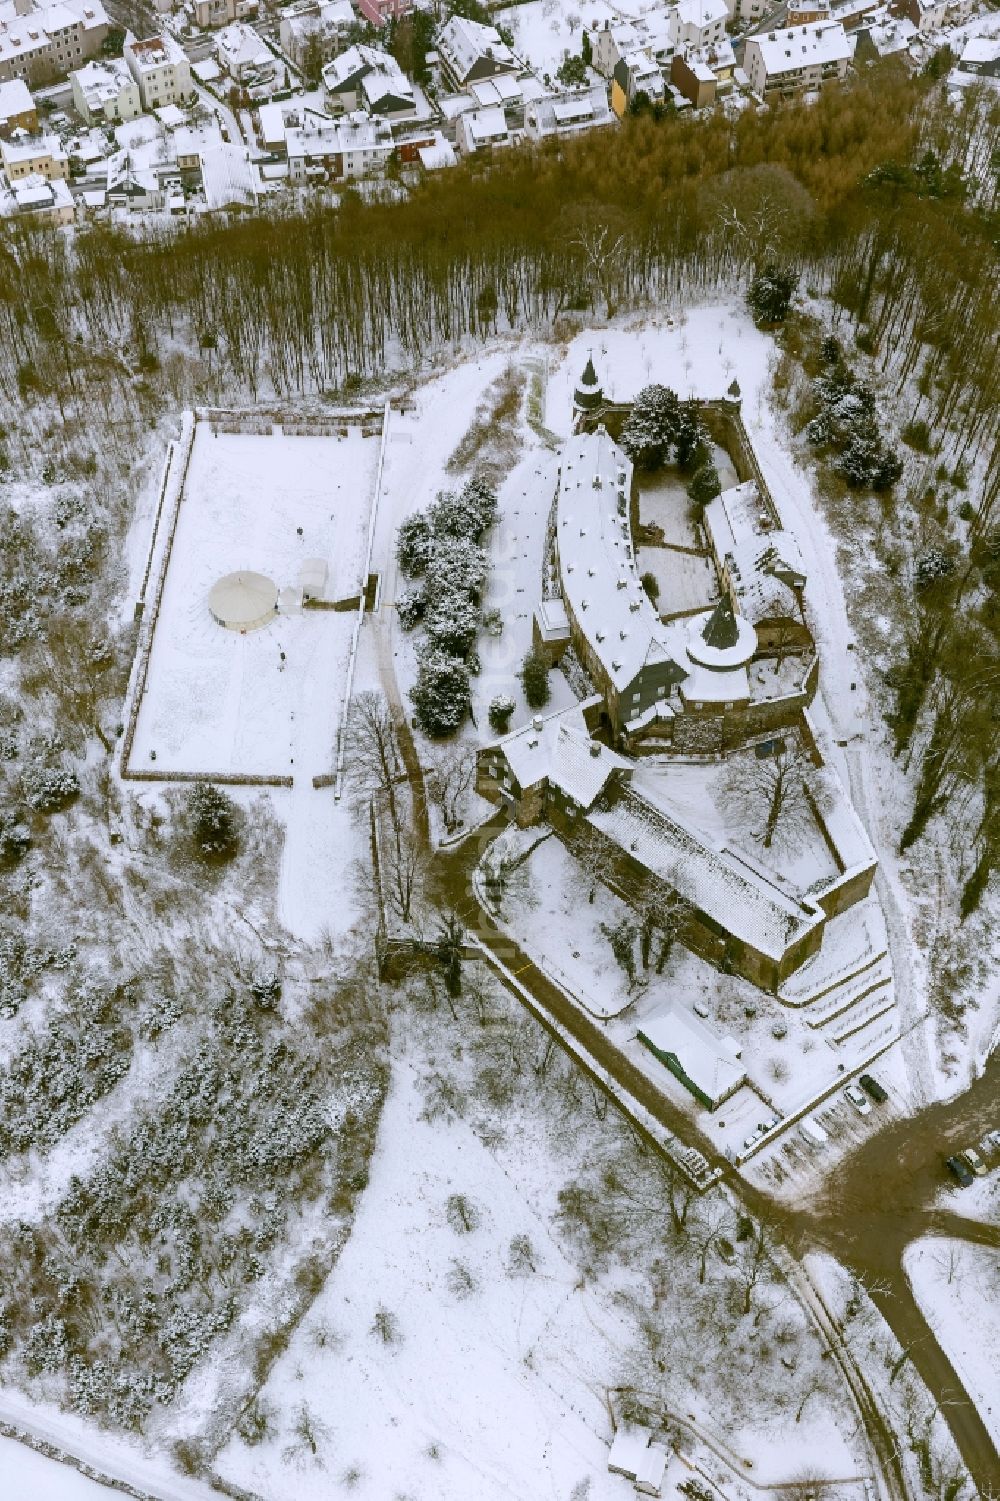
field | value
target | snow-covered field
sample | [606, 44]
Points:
[546, 30]
[957, 1285]
[218, 701]
[434, 1366]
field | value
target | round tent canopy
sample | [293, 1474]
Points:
[243, 601]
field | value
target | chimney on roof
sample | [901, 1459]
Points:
[595, 749]
[536, 722]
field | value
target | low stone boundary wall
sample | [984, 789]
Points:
[149, 622]
[63, 1456]
[219, 778]
[260, 427]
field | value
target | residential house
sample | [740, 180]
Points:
[314, 28]
[692, 75]
[323, 150]
[437, 157]
[550, 764]
[855, 13]
[367, 78]
[699, 23]
[380, 12]
[33, 156]
[191, 142]
[980, 59]
[610, 43]
[17, 108]
[209, 14]
[160, 67]
[636, 74]
[41, 42]
[105, 90]
[804, 57]
[274, 121]
[469, 50]
[243, 55]
[36, 197]
[482, 130]
[569, 113]
[932, 15]
[803, 12]
[884, 38]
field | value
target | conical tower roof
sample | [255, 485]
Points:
[721, 632]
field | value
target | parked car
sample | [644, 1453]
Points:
[990, 1145]
[972, 1159]
[856, 1097]
[813, 1132]
[959, 1171]
[873, 1088]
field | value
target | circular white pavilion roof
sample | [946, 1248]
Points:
[243, 601]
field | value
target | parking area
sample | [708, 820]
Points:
[798, 1154]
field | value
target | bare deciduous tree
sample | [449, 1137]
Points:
[773, 796]
[451, 777]
[373, 754]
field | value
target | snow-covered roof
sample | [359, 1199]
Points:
[377, 73]
[557, 748]
[710, 1063]
[741, 901]
[701, 14]
[155, 52]
[239, 46]
[15, 99]
[21, 35]
[979, 50]
[802, 47]
[193, 140]
[564, 114]
[485, 124]
[319, 137]
[597, 565]
[503, 89]
[642, 67]
[764, 561]
[102, 80]
[463, 43]
[25, 148]
[434, 158]
[227, 176]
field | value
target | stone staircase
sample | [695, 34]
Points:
[846, 996]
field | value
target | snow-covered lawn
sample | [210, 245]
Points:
[957, 1285]
[24, 1473]
[216, 700]
[436, 1364]
[490, 1388]
[546, 30]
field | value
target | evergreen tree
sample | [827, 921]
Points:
[414, 544]
[770, 295]
[691, 442]
[410, 608]
[440, 695]
[451, 624]
[535, 679]
[705, 484]
[651, 428]
[212, 820]
[501, 708]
